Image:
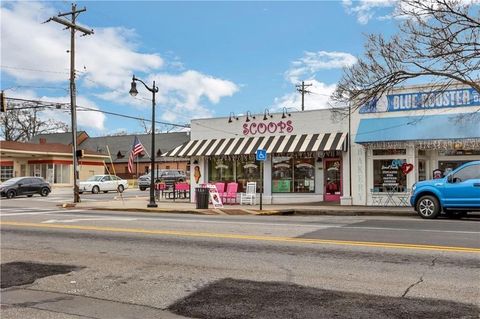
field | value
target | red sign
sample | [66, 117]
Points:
[268, 127]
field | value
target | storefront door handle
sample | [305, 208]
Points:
[476, 184]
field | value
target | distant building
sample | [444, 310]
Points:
[120, 146]
[52, 161]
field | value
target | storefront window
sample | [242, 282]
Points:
[6, 173]
[52, 173]
[458, 152]
[62, 174]
[304, 175]
[221, 170]
[282, 174]
[388, 175]
[248, 171]
[293, 175]
[447, 166]
[422, 171]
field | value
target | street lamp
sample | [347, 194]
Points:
[134, 92]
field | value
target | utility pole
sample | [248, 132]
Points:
[301, 89]
[73, 27]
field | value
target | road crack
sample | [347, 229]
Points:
[421, 278]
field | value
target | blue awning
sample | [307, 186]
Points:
[411, 128]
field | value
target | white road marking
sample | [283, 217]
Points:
[52, 221]
[409, 229]
[38, 212]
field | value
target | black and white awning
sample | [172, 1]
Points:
[273, 144]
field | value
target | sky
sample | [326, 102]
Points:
[208, 59]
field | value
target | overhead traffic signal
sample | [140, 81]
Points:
[3, 102]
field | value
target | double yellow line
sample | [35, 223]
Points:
[247, 237]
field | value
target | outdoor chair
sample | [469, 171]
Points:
[220, 188]
[230, 194]
[377, 197]
[183, 189]
[250, 196]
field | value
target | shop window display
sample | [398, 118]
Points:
[293, 175]
[247, 171]
[6, 173]
[388, 175]
[221, 170]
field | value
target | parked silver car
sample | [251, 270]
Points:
[167, 176]
[103, 183]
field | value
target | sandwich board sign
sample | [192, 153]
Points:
[214, 196]
[261, 154]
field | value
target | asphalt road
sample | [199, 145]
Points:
[120, 265]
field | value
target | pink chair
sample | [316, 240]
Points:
[183, 188]
[230, 194]
[220, 188]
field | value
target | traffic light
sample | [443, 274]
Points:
[3, 102]
[80, 153]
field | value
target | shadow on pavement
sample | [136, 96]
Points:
[232, 299]
[22, 273]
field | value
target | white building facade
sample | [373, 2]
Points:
[409, 135]
[306, 154]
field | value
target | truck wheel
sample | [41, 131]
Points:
[428, 207]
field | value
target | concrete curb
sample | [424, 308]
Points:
[329, 212]
[237, 211]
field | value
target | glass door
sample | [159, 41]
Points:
[332, 179]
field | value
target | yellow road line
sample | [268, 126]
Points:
[247, 237]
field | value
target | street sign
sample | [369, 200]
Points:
[261, 154]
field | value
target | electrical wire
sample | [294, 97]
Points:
[84, 108]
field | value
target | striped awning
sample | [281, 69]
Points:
[273, 144]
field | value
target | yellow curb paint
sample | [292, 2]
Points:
[248, 237]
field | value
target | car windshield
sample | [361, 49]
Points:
[12, 181]
[95, 178]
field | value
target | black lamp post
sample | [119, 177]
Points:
[134, 92]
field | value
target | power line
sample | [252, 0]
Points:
[301, 89]
[45, 104]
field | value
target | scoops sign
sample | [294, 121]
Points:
[267, 127]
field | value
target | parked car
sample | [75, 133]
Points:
[455, 194]
[168, 176]
[28, 185]
[103, 183]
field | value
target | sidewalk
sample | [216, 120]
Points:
[139, 204]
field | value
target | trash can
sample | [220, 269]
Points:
[201, 197]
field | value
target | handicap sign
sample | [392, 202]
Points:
[261, 154]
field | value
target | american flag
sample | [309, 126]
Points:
[137, 148]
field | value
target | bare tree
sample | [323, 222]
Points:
[438, 40]
[23, 124]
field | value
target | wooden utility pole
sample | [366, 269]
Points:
[73, 27]
[301, 89]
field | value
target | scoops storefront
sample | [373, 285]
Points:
[306, 154]
[410, 135]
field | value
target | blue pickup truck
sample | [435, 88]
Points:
[455, 194]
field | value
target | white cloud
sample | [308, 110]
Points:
[85, 119]
[105, 62]
[312, 62]
[306, 68]
[318, 99]
[365, 9]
